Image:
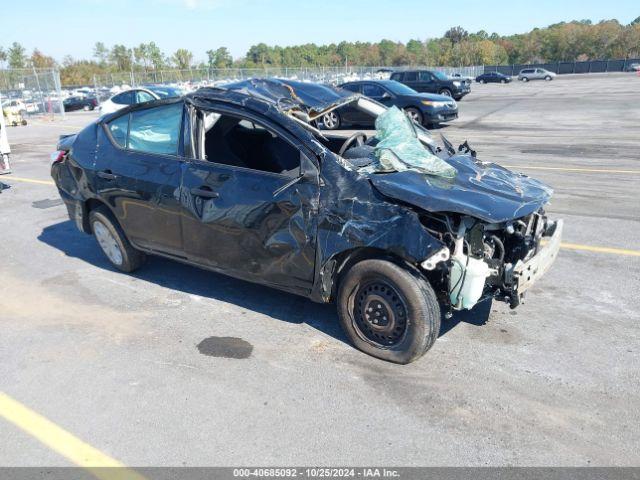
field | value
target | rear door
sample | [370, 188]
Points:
[348, 113]
[138, 174]
[426, 83]
[411, 79]
[244, 221]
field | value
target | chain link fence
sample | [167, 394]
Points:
[31, 92]
[214, 76]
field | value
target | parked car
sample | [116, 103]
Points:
[21, 106]
[165, 92]
[493, 77]
[433, 82]
[237, 180]
[527, 74]
[422, 108]
[126, 98]
[633, 67]
[79, 103]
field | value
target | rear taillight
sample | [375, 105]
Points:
[58, 156]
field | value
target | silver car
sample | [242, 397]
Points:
[535, 74]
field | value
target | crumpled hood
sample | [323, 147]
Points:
[485, 191]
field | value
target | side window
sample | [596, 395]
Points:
[425, 77]
[156, 130]
[396, 76]
[118, 128]
[237, 142]
[410, 76]
[124, 98]
[352, 87]
[144, 96]
[373, 91]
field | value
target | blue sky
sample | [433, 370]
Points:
[73, 26]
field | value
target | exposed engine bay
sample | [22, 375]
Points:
[483, 260]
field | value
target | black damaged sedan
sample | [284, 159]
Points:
[394, 229]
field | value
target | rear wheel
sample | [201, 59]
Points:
[331, 120]
[113, 242]
[525, 79]
[414, 115]
[387, 311]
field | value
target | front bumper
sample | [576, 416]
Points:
[525, 274]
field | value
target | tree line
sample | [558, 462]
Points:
[565, 41]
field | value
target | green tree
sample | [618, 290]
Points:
[3, 55]
[182, 58]
[456, 34]
[121, 57]
[16, 56]
[156, 57]
[101, 53]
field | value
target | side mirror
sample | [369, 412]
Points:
[386, 95]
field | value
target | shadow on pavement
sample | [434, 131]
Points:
[283, 306]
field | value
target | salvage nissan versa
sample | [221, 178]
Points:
[394, 228]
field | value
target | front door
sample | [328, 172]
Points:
[138, 173]
[250, 202]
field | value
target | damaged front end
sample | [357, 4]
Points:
[490, 260]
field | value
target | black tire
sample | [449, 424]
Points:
[414, 114]
[525, 79]
[383, 288]
[503, 81]
[548, 78]
[446, 92]
[481, 80]
[130, 258]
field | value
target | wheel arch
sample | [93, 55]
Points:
[334, 269]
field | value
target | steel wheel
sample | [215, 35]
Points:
[107, 243]
[331, 121]
[380, 314]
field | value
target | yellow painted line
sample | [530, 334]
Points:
[569, 169]
[27, 180]
[59, 440]
[589, 248]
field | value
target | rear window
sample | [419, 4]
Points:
[124, 98]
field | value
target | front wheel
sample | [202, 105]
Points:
[445, 91]
[414, 115]
[388, 311]
[525, 79]
[113, 242]
[547, 78]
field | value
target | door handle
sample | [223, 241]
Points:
[107, 175]
[204, 192]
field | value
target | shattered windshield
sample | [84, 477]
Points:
[399, 148]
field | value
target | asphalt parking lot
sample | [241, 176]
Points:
[177, 366]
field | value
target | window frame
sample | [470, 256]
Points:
[270, 126]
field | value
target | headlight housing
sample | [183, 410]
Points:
[457, 83]
[433, 103]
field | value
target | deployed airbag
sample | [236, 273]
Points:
[399, 149]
